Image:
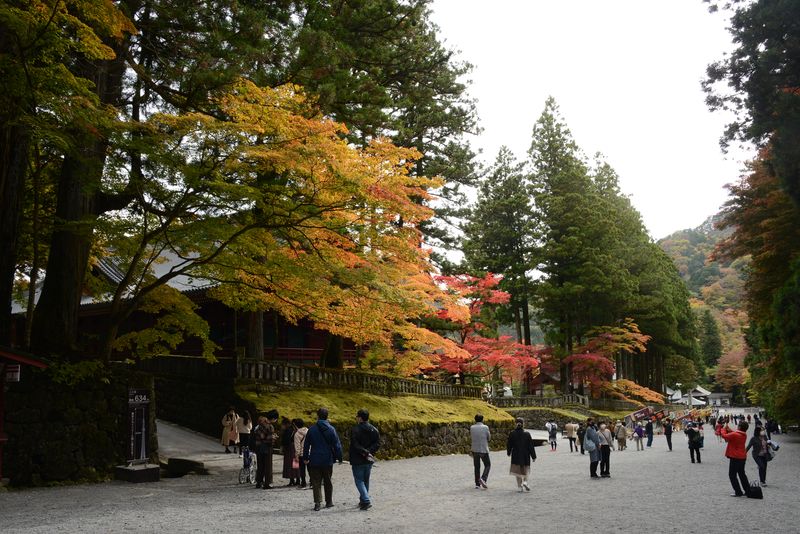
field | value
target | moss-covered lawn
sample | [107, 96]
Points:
[573, 415]
[343, 406]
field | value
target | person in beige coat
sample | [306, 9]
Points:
[621, 433]
[572, 434]
[230, 437]
[300, 431]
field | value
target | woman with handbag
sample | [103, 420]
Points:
[520, 448]
[591, 442]
[761, 448]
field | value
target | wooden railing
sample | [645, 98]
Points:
[280, 373]
[536, 401]
[614, 405]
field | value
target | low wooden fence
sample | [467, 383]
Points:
[294, 375]
[614, 405]
[536, 401]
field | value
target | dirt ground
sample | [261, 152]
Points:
[652, 490]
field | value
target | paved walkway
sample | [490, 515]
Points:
[653, 490]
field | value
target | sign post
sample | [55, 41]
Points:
[138, 407]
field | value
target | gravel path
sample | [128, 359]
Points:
[652, 490]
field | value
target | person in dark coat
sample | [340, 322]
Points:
[760, 447]
[693, 435]
[521, 450]
[263, 438]
[668, 432]
[320, 449]
[581, 433]
[648, 430]
[364, 443]
[287, 449]
[592, 445]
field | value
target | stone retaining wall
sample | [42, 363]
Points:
[58, 432]
[406, 440]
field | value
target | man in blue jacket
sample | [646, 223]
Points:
[320, 449]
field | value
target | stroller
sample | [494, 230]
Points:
[247, 474]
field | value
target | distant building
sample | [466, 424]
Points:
[720, 399]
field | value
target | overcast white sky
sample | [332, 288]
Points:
[626, 75]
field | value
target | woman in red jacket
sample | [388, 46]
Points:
[738, 456]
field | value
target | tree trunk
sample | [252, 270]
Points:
[255, 335]
[517, 322]
[14, 144]
[333, 355]
[79, 203]
[55, 321]
[526, 321]
[275, 333]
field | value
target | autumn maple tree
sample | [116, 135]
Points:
[489, 355]
[593, 363]
[271, 205]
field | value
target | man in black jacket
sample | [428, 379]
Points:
[364, 442]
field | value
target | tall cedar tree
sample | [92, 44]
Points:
[710, 340]
[500, 234]
[762, 76]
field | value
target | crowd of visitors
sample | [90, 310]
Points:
[314, 450]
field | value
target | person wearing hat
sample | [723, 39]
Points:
[521, 450]
[693, 435]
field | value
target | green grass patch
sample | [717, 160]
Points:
[343, 405]
[568, 414]
[611, 416]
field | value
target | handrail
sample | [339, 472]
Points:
[282, 373]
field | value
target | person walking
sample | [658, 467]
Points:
[320, 449]
[299, 437]
[229, 435]
[693, 437]
[244, 424]
[581, 433]
[480, 436]
[606, 444]
[668, 432]
[638, 436]
[263, 438]
[571, 429]
[552, 435]
[760, 446]
[520, 448]
[364, 443]
[591, 443]
[648, 430]
[621, 433]
[736, 453]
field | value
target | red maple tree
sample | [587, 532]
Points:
[490, 354]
